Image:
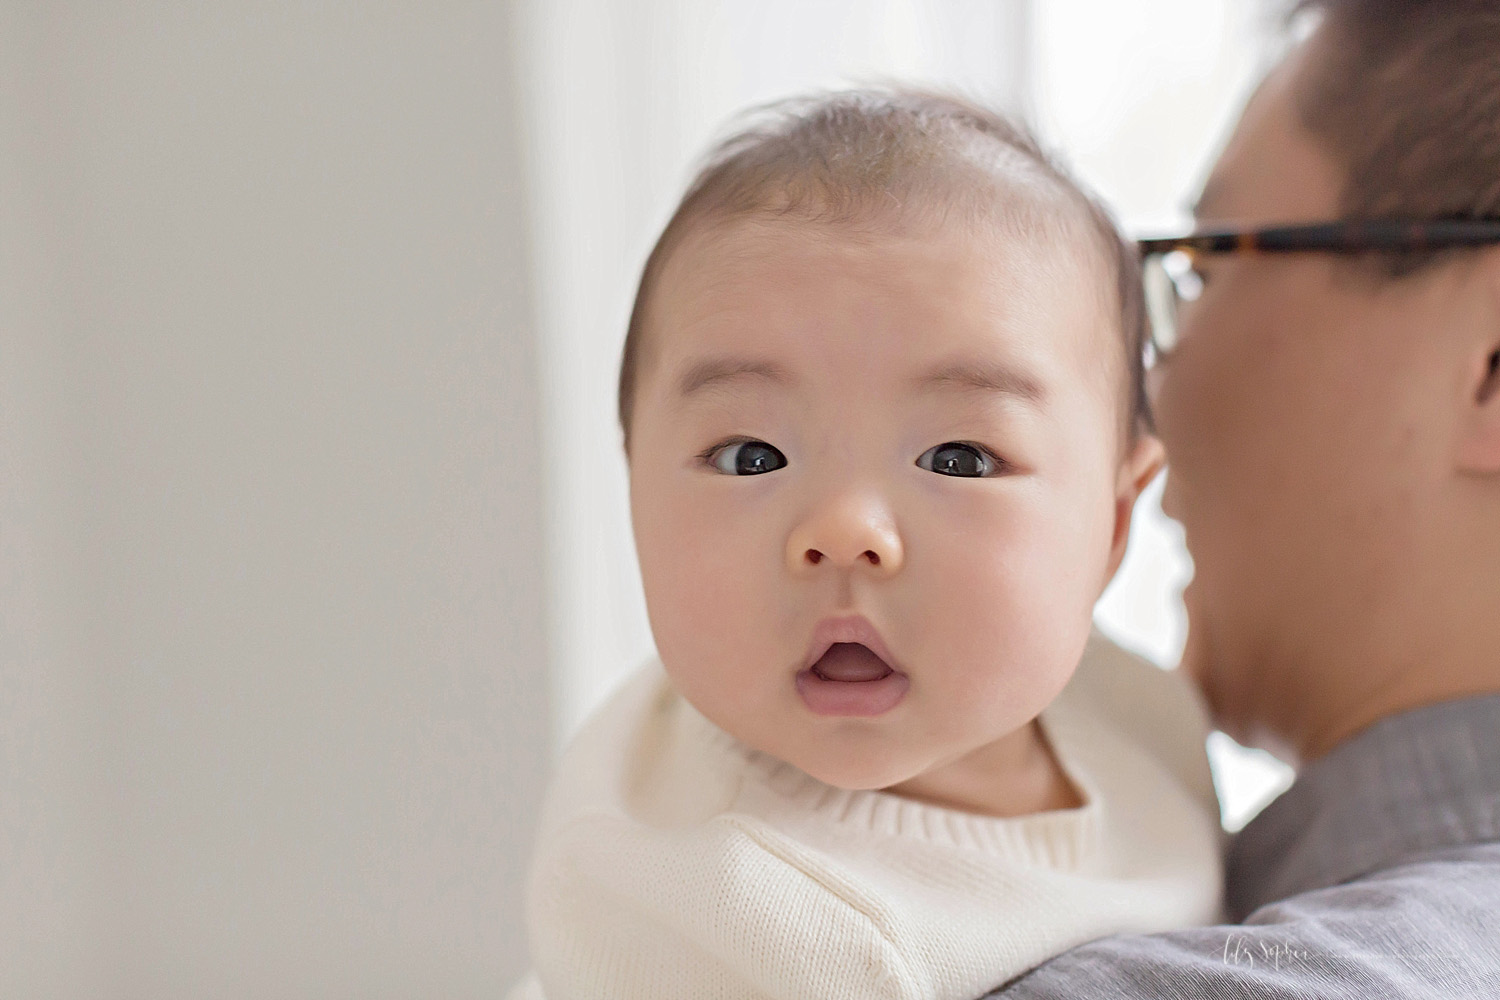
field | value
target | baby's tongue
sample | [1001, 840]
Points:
[850, 661]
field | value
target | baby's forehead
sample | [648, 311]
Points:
[936, 302]
[1027, 254]
[904, 292]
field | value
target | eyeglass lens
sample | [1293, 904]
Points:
[1171, 281]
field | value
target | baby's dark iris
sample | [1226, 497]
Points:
[958, 460]
[755, 457]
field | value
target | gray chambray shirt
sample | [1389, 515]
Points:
[1377, 874]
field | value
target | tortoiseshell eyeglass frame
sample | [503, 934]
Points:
[1353, 236]
[1348, 237]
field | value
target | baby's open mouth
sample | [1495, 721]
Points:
[851, 663]
[850, 678]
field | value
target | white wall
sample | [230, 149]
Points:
[272, 697]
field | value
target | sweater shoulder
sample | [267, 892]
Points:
[645, 756]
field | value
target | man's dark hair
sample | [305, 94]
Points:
[1406, 95]
[858, 156]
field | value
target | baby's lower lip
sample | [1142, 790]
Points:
[856, 698]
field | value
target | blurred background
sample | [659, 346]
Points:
[314, 544]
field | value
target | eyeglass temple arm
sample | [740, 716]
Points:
[1336, 237]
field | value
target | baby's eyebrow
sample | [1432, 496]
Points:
[986, 376]
[718, 371]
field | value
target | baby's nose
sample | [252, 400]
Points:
[850, 532]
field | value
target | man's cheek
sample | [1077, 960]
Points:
[1194, 660]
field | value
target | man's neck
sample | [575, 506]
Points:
[1438, 638]
[1359, 713]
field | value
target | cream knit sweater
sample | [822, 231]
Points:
[674, 863]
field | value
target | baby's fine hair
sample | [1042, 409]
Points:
[870, 154]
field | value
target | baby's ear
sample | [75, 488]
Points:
[1142, 463]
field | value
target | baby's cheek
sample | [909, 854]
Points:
[1012, 606]
[704, 587]
[989, 565]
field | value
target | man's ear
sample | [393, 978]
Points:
[1479, 448]
[1141, 465]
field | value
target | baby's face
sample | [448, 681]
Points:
[876, 484]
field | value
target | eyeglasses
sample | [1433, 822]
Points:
[1173, 279]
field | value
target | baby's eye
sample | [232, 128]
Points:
[954, 458]
[746, 458]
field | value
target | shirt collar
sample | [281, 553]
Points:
[1420, 781]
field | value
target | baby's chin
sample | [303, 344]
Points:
[868, 773]
[855, 758]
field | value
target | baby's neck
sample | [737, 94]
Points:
[1014, 776]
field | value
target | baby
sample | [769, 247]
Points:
[883, 410]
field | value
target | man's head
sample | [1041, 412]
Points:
[1333, 425]
[882, 437]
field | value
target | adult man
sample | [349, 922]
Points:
[1333, 427]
